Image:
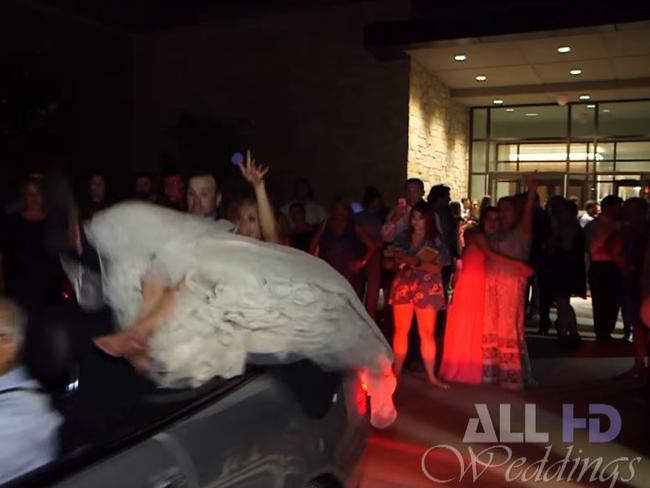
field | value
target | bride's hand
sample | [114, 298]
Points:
[252, 172]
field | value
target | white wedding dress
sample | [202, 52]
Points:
[243, 301]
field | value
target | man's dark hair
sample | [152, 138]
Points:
[611, 201]
[370, 194]
[571, 208]
[590, 205]
[143, 174]
[438, 191]
[297, 205]
[305, 181]
[171, 169]
[202, 173]
[415, 181]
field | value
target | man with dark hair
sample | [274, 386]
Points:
[144, 187]
[398, 218]
[605, 275]
[203, 195]
[173, 190]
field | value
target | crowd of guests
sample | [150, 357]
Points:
[468, 272]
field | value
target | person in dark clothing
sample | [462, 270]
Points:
[371, 220]
[96, 199]
[32, 276]
[565, 267]
[439, 200]
[540, 261]
[605, 270]
[174, 191]
[634, 241]
[144, 188]
[301, 233]
[341, 242]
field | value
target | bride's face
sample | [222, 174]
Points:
[248, 224]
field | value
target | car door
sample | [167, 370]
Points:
[152, 463]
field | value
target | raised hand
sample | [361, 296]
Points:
[532, 182]
[252, 172]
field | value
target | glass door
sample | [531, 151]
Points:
[503, 185]
[550, 185]
[629, 187]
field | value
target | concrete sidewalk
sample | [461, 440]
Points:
[578, 375]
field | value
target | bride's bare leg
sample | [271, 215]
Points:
[132, 341]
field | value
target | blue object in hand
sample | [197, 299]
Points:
[237, 159]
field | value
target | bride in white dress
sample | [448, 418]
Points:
[195, 300]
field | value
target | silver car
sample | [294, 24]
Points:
[290, 425]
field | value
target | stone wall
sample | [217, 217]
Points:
[438, 134]
[315, 101]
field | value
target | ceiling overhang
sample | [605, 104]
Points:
[456, 21]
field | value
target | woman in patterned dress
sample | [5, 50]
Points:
[419, 257]
[505, 354]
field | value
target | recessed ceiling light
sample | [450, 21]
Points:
[606, 110]
[575, 72]
[564, 49]
[510, 110]
[532, 114]
[585, 97]
[460, 58]
[481, 78]
[591, 106]
[497, 101]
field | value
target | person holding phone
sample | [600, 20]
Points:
[398, 218]
[418, 256]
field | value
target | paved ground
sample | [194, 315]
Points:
[580, 375]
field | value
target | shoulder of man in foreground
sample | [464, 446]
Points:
[28, 426]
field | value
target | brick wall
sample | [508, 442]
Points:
[438, 134]
[316, 102]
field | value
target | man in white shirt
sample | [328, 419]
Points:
[398, 218]
[28, 425]
[590, 213]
